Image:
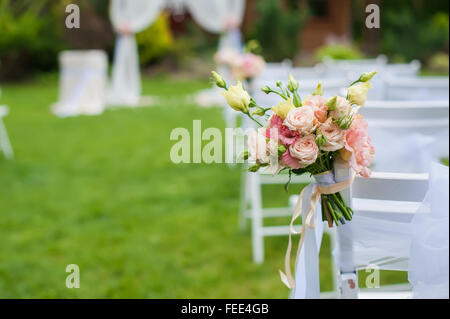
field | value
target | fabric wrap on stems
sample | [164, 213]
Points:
[325, 184]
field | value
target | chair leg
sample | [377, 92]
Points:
[257, 218]
[5, 144]
[243, 202]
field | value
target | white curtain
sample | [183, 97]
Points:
[217, 16]
[129, 17]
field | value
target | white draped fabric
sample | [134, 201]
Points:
[217, 16]
[129, 17]
[429, 259]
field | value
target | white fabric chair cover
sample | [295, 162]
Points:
[407, 136]
[132, 16]
[416, 88]
[82, 83]
[429, 259]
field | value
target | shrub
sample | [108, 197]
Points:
[28, 39]
[406, 36]
[156, 41]
[278, 30]
[338, 52]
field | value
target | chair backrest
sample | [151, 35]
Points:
[407, 135]
[416, 88]
[309, 73]
[404, 115]
[410, 69]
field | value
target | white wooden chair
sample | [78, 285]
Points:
[379, 235]
[252, 207]
[5, 144]
[416, 88]
[407, 135]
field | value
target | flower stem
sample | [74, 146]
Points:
[255, 120]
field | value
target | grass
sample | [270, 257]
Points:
[102, 193]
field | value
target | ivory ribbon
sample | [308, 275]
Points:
[309, 222]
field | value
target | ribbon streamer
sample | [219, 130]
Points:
[309, 221]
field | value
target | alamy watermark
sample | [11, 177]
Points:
[73, 279]
[206, 146]
[373, 18]
[73, 18]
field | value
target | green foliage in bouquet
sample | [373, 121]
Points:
[156, 41]
[29, 40]
[278, 29]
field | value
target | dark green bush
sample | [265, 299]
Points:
[278, 29]
[29, 40]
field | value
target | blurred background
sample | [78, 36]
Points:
[101, 191]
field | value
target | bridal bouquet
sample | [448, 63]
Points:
[307, 136]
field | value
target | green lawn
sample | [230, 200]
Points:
[101, 192]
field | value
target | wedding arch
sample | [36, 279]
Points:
[129, 17]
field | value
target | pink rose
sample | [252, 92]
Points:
[319, 106]
[285, 135]
[249, 66]
[305, 150]
[334, 136]
[288, 160]
[343, 108]
[252, 65]
[301, 119]
[357, 142]
[228, 57]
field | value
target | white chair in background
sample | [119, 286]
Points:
[82, 85]
[410, 69]
[252, 207]
[309, 73]
[416, 88]
[407, 135]
[339, 68]
[5, 144]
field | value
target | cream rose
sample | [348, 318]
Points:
[301, 119]
[333, 134]
[305, 150]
